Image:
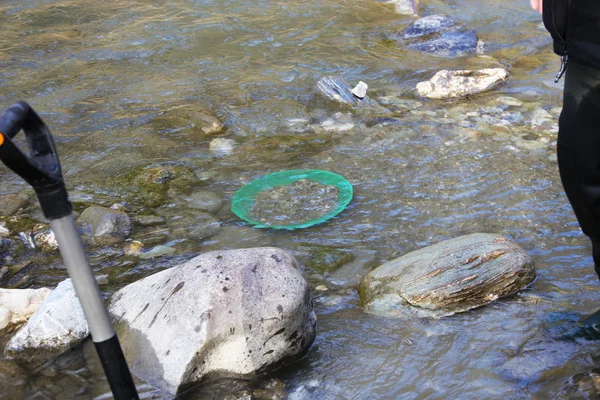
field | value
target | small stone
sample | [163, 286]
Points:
[222, 147]
[119, 207]
[11, 203]
[157, 251]
[321, 288]
[509, 101]
[148, 220]
[133, 249]
[205, 201]
[102, 279]
[106, 222]
[360, 90]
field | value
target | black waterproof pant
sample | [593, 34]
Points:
[579, 149]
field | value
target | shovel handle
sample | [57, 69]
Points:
[41, 168]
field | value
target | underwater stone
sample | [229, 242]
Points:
[223, 314]
[103, 221]
[205, 201]
[405, 7]
[452, 276]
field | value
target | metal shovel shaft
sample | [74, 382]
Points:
[104, 337]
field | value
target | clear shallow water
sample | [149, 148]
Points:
[117, 82]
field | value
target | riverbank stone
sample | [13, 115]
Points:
[205, 201]
[17, 305]
[102, 222]
[452, 276]
[11, 203]
[448, 84]
[223, 314]
[440, 36]
[56, 326]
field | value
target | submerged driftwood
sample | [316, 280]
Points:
[450, 277]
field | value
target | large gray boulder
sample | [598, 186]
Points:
[449, 277]
[58, 325]
[222, 314]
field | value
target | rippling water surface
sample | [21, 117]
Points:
[119, 83]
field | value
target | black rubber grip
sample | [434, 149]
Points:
[41, 168]
[116, 369]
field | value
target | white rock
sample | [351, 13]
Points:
[57, 326]
[222, 314]
[17, 305]
[452, 84]
[509, 101]
[360, 90]
[222, 147]
[405, 7]
[4, 230]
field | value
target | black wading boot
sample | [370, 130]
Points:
[588, 327]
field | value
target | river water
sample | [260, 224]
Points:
[117, 81]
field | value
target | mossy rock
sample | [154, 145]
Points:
[326, 259]
[149, 187]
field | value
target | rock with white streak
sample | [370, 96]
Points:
[449, 277]
[17, 305]
[231, 313]
[57, 326]
[448, 84]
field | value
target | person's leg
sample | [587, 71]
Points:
[579, 164]
[579, 149]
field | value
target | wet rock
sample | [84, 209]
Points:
[227, 314]
[222, 147]
[335, 88]
[541, 117]
[440, 36]
[405, 7]
[340, 122]
[148, 220]
[133, 249]
[57, 326]
[449, 277]
[157, 251]
[148, 187]
[11, 203]
[205, 201]
[103, 222]
[187, 120]
[17, 305]
[509, 101]
[453, 84]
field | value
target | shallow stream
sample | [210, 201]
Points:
[121, 83]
